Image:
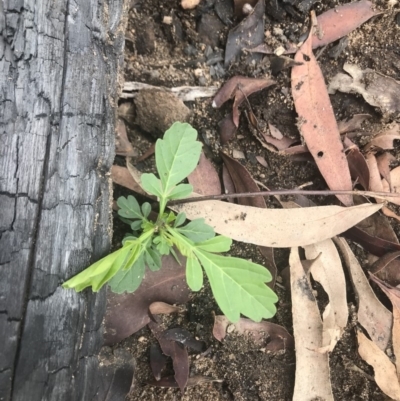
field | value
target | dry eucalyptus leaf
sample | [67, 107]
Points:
[378, 90]
[384, 370]
[372, 315]
[328, 271]
[317, 123]
[312, 380]
[204, 178]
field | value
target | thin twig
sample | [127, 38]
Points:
[377, 195]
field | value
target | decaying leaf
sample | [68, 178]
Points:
[239, 88]
[384, 370]
[204, 178]
[317, 122]
[312, 381]
[372, 315]
[376, 89]
[384, 140]
[128, 312]
[121, 176]
[328, 271]
[178, 353]
[270, 335]
[248, 33]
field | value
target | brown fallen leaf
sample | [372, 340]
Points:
[121, 176]
[353, 124]
[375, 182]
[229, 187]
[227, 129]
[372, 315]
[274, 336]
[311, 367]
[395, 181]
[158, 361]
[387, 268]
[239, 88]
[184, 337]
[384, 370]
[333, 25]
[358, 166]
[122, 145]
[328, 271]
[178, 353]
[204, 178]
[317, 123]
[149, 152]
[128, 312]
[248, 33]
[162, 308]
[378, 90]
[384, 140]
[393, 294]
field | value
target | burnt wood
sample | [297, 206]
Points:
[59, 65]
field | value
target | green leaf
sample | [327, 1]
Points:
[146, 209]
[151, 184]
[177, 154]
[238, 286]
[129, 208]
[180, 219]
[194, 273]
[180, 191]
[136, 225]
[216, 244]
[153, 259]
[197, 230]
[162, 245]
[128, 280]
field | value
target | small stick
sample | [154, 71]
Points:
[377, 195]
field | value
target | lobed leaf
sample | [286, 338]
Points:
[197, 230]
[239, 286]
[129, 208]
[177, 154]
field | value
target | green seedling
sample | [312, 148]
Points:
[237, 284]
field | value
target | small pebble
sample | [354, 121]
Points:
[230, 328]
[238, 154]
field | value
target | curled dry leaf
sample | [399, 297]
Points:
[353, 124]
[372, 315]
[328, 271]
[384, 370]
[378, 90]
[393, 294]
[311, 367]
[317, 122]
[128, 312]
[274, 336]
[239, 88]
[395, 181]
[204, 178]
[384, 140]
[248, 33]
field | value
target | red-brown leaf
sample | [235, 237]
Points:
[204, 178]
[317, 122]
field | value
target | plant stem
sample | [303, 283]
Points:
[378, 195]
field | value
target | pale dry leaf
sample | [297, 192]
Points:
[162, 308]
[389, 213]
[384, 370]
[376, 89]
[328, 271]
[312, 379]
[317, 123]
[372, 315]
[375, 182]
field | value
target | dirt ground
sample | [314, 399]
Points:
[179, 53]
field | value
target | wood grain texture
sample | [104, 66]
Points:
[59, 63]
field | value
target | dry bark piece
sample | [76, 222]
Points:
[276, 337]
[384, 140]
[239, 88]
[328, 271]
[128, 312]
[377, 89]
[353, 124]
[384, 370]
[317, 123]
[204, 178]
[311, 366]
[248, 33]
[157, 110]
[372, 315]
